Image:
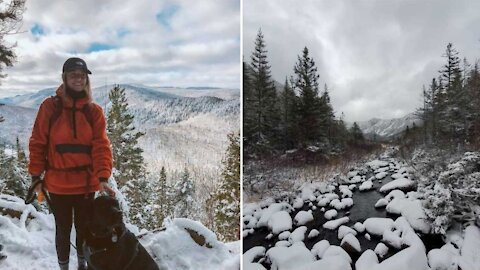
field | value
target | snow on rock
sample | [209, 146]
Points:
[377, 226]
[250, 255]
[381, 203]
[266, 213]
[284, 235]
[401, 183]
[334, 224]
[344, 230]
[298, 235]
[298, 203]
[412, 211]
[393, 239]
[283, 243]
[334, 251]
[359, 227]
[352, 187]
[381, 250]
[367, 185]
[303, 217]
[249, 222]
[246, 233]
[330, 263]
[269, 236]
[381, 175]
[346, 192]
[367, 236]
[289, 258]
[330, 214]
[367, 260]
[319, 248]
[351, 174]
[325, 199]
[470, 258]
[344, 203]
[279, 222]
[375, 164]
[313, 233]
[351, 244]
[439, 259]
[307, 191]
[355, 179]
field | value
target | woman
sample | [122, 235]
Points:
[69, 145]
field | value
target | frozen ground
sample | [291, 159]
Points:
[381, 226]
[28, 242]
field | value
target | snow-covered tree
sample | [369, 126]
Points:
[127, 155]
[263, 116]
[227, 197]
[184, 191]
[14, 178]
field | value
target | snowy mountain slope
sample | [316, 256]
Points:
[388, 127]
[226, 94]
[16, 120]
[180, 131]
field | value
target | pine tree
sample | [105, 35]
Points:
[21, 156]
[14, 179]
[289, 119]
[127, 158]
[227, 212]
[305, 83]
[184, 191]
[162, 197]
[357, 134]
[127, 155]
[261, 135]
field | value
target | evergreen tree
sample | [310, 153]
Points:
[357, 134]
[184, 191]
[305, 83]
[127, 155]
[14, 179]
[21, 156]
[227, 212]
[263, 105]
[289, 119]
[127, 158]
[162, 198]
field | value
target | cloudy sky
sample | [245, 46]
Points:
[374, 55]
[157, 43]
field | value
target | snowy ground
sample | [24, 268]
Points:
[322, 226]
[28, 242]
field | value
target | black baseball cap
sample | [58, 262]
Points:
[75, 63]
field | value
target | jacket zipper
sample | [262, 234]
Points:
[73, 119]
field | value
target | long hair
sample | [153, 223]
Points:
[88, 88]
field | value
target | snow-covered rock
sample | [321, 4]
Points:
[303, 217]
[313, 233]
[279, 222]
[319, 248]
[289, 258]
[351, 244]
[334, 224]
[377, 226]
[381, 250]
[367, 185]
[344, 230]
[401, 183]
[381, 203]
[359, 227]
[298, 235]
[330, 214]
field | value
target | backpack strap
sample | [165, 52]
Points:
[57, 111]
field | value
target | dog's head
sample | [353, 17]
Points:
[106, 222]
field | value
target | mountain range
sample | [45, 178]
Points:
[184, 127]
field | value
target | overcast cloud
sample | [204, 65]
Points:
[158, 43]
[374, 55]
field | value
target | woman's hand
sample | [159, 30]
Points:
[105, 187]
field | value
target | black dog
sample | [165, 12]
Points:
[109, 245]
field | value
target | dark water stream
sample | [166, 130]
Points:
[363, 208]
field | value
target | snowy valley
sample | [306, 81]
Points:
[379, 215]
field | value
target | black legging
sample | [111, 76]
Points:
[66, 207]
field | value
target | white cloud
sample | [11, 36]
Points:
[198, 45]
[374, 55]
